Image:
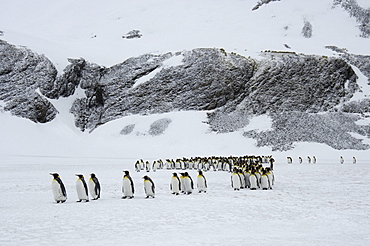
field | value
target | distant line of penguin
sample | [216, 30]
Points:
[246, 172]
[215, 163]
[314, 160]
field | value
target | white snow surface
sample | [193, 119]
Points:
[311, 204]
[322, 204]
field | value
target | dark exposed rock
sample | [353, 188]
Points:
[361, 15]
[159, 126]
[358, 107]
[207, 79]
[22, 73]
[307, 29]
[127, 129]
[133, 34]
[330, 128]
[362, 62]
[262, 2]
[233, 88]
[65, 85]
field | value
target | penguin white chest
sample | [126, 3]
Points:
[253, 181]
[81, 192]
[127, 189]
[57, 191]
[148, 187]
[265, 182]
[92, 189]
[235, 180]
[175, 185]
[201, 183]
[187, 185]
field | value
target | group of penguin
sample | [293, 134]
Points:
[253, 178]
[246, 172]
[183, 184]
[215, 163]
[60, 193]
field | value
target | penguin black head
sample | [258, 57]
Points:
[200, 172]
[186, 174]
[145, 177]
[175, 174]
[92, 175]
[55, 175]
[126, 172]
[80, 176]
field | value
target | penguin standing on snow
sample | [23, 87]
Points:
[147, 166]
[188, 184]
[94, 187]
[182, 184]
[81, 188]
[253, 180]
[235, 180]
[201, 182]
[175, 185]
[58, 188]
[137, 166]
[264, 181]
[149, 187]
[271, 177]
[155, 166]
[127, 186]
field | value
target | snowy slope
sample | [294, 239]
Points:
[94, 29]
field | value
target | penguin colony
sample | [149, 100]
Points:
[246, 172]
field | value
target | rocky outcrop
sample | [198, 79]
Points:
[307, 29]
[206, 79]
[158, 127]
[232, 87]
[262, 2]
[23, 74]
[362, 62]
[332, 129]
[361, 15]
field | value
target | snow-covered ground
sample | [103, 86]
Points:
[311, 204]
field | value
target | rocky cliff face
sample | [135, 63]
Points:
[361, 15]
[22, 74]
[232, 87]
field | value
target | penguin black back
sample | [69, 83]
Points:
[58, 179]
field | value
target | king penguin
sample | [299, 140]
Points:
[201, 182]
[264, 181]
[253, 180]
[188, 184]
[127, 186]
[59, 191]
[149, 187]
[175, 184]
[235, 180]
[81, 188]
[182, 186]
[94, 187]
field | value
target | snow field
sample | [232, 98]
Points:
[311, 204]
